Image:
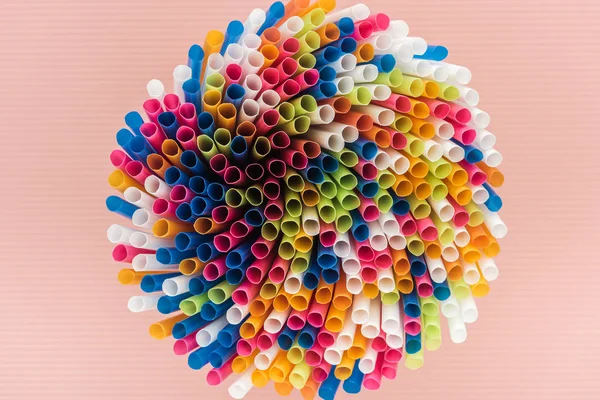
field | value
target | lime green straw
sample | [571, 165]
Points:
[419, 208]
[415, 361]
[411, 86]
[270, 230]
[293, 180]
[290, 226]
[345, 178]
[326, 210]
[215, 81]
[254, 195]
[223, 140]
[269, 289]
[312, 20]
[343, 220]
[392, 79]
[297, 126]
[328, 188]
[432, 331]
[359, 96]
[295, 354]
[234, 197]
[391, 297]
[429, 306]
[304, 104]
[440, 168]
[347, 199]
[475, 214]
[192, 305]
[402, 123]
[309, 42]
[221, 292]
[286, 248]
[286, 113]
[439, 190]
[448, 92]
[385, 179]
[414, 146]
[300, 262]
[207, 147]
[305, 62]
[293, 205]
[445, 230]
[346, 157]
[384, 201]
[459, 288]
[262, 147]
[415, 245]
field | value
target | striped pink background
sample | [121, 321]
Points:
[70, 70]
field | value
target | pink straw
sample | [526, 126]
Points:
[164, 208]
[223, 214]
[437, 108]
[316, 313]
[125, 253]
[395, 102]
[274, 210]
[297, 319]
[245, 292]
[389, 369]
[476, 176]
[379, 343]
[185, 345]
[217, 375]
[279, 270]
[380, 21]
[286, 69]
[321, 372]
[257, 271]
[153, 108]
[314, 355]
[233, 74]
[424, 285]
[368, 209]
[408, 226]
[368, 272]
[362, 30]
[294, 158]
[153, 135]
[215, 269]
[412, 325]
[245, 347]
[138, 171]
[383, 259]
[271, 188]
[262, 248]
[276, 168]
[327, 234]
[459, 113]
[186, 136]
[234, 176]
[392, 355]
[461, 216]
[326, 338]
[189, 117]
[427, 229]
[181, 194]
[279, 140]
[364, 251]
[463, 133]
[119, 159]
[267, 121]
[225, 242]
[270, 78]
[265, 340]
[366, 169]
[372, 381]
[254, 171]
[288, 89]
[172, 104]
[307, 79]
[219, 164]
[287, 49]
[240, 229]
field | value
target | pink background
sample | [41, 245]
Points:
[70, 70]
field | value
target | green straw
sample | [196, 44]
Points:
[286, 113]
[346, 157]
[326, 210]
[270, 230]
[429, 306]
[262, 147]
[269, 289]
[223, 140]
[293, 205]
[440, 168]
[459, 289]
[419, 208]
[305, 62]
[221, 292]
[235, 197]
[359, 96]
[439, 190]
[391, 297]
[293, 180]
[345, 178]
[286, 248]
[254, 195]
[414, 146]
[385, 179]
[309, 42]
[448, 92]
[215, 81]
[392, 79]
[445, 230]
[328, 188]
[343, 220]
[402, 123]
[311, 20]
[410, 86]
[290, 226]
[432, 330]
[300, 262]
[415, 244]
[304, 104]
[347, 199]
[207, 147]
[297, 126]
[475, 214]
[384, 201]
[192, 305]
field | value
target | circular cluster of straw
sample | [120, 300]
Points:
[313, 196]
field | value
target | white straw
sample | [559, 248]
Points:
[234, 54]
[254, 21]
[451, 150]
[209, 333]
[449, 252]
[349, 133]
[156, 89]
[141, 199]
[457, 73]
[214, 64]
[324, 114]
[415, 67]
[442, 208]
[377, 238]
[419, 45]
[360, 309]
[366, 365]
[381, 41]
[252, 63]
[118, 234]
[276, 320]
[345, 63]
[181, 73]
[310, 221]
[398, 29]
[436, 268]
[157, 187]
[385, 280]
[333, 355]
[396, 240]
[143, 303]
[363, 73]
[390, 317]
[346, 335]
[328, 140]
[148, 262]
[252, 85]
[461, 236]
[381, 115]
[468, 309]
[344, 85]
[449, 307]
[143, 240]
[494, 223]
[290, 27]
[388, 222]
[370, 329]
[433, 150]
[354, 283]
[249, 111]
[488, 268]
[357, 12]
[237, 313]
[177, 285]
[439, 73]
[480, 195]
[443, 129]
[267, 100]
[381, 160]
[240, 388]
[251, 41]
[492, 157]
[398, 163]
[378, 92]
[484, 139]
[265, 358]
[350, 264]
[468, 95]
[293, 282]
[471, 274]
[341, 246]
[457, 328]
[395, 339]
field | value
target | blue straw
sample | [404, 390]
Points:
[434, 53]
[418, 266]
[312, 275]
[200, 285]
[230, 334]
[120, 206]
[193, 93]
[221, 355]
[367, 188]
[175, 176]
[441, 291]
[195, 58]
[206, 123]
[254, 217]
[322, 90]
[413, 343]
[329, 386]
[202, 206]
[241, 254]
[384, 63]
[346, 26]
[360, 229]
[326, 258]
[184, 213]
[207, 251]
[168, 304]
[216, 191]
[411, 304]
[236, 276]
[197, 184]
[401, 205]
[239, 148]
[232, 34]
[313, 174]
[190, 240]
[494, 202]
[327, 73]
[140, 148]
[170, 255]
[211, 311]
[326, 162]
[190, 160]
[153, 283]
[134, 120]
[472, 154]
[286, 338]
[188, 325]
[353, 384]
[346, 45]
[331, 275]
[168, 122]
[199, 357]
[273, 15]
[124, 137]
[364, 148]
[327, 55]
[234, 95]
[308, 336]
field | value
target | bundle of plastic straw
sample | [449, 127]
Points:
[309, 202]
